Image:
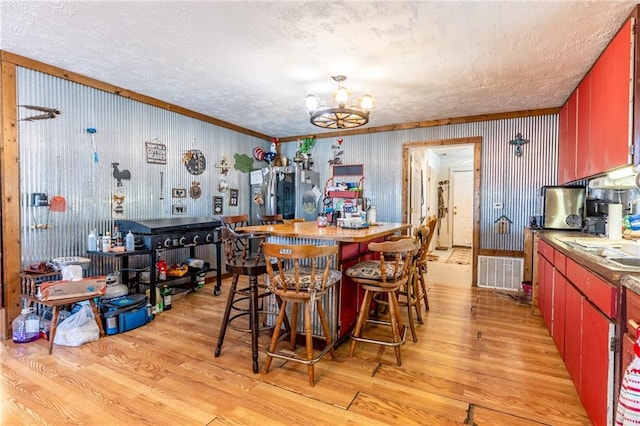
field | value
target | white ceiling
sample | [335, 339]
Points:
[251, 63]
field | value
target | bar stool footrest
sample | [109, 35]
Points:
[382, 342]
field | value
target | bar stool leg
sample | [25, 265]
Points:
[253, 319]
[423, 285]
[396, 324]
[227, 312]
[276, 336]
[362, 317]
[309, 341]
[325, 328]
[294, 327]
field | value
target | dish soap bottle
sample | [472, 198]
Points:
[129, 242]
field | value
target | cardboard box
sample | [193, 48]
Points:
[54, 290]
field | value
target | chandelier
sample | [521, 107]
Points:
[340, 116]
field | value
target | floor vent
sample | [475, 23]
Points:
[503, 273]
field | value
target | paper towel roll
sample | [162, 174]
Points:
[614, 222]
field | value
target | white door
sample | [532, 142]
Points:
[462, 200]
[417, 193]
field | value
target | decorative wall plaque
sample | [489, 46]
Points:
[217, 205]
[156, 152]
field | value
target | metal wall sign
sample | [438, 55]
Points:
[156, 152]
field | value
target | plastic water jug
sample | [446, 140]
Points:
[129, 242]
[26, 326]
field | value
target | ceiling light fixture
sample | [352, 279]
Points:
[340, 116]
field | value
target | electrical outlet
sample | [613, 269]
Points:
[497, 205]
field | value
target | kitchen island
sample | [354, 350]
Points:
[354, 247]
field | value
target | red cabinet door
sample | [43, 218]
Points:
[572, 136]
[559, 300]
[563, 172]
[583, 154]
[546, 293]
[596, 374]
[610, 103]
[573, 334]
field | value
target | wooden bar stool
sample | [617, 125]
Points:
[306, 282]
[241, 262]
[384, 276]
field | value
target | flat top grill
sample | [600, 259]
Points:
[166, 226]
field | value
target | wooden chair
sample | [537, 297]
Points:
[241, 262]
[266, 219]
[386, 275]
[306, 282]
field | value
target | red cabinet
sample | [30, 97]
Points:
[611, 107]
[595, 131]
[580, 310]
[583, 141]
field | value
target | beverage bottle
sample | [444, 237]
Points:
[166, 297]
[130, 242]
[117, 236]
[26, 326]
[106, 242]
[92, 241]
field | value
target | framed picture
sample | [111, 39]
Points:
[179, 193]
[217, 205]
[179, 209]
[233, 197]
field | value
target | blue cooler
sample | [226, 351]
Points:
[124, 313]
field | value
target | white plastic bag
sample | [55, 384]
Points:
[77, 329]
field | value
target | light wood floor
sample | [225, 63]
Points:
[480, 357]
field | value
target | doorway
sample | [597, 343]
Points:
[450, 190]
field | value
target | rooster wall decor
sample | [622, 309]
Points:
[120, 174]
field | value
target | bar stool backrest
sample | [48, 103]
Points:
[298, 268]
[396, 259]
[266, 219]
[237, 247]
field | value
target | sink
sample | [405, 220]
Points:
[633, 262]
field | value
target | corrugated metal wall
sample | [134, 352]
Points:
[56, 158]
[506, 178]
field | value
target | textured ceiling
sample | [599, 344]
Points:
[251, 63]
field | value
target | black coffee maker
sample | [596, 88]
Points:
[596, 219]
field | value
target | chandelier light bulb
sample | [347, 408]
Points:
[366, 103]
[342, 96]
[312, 102]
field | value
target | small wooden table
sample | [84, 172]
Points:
[29, 293]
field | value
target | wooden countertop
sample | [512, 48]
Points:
[311, 230]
